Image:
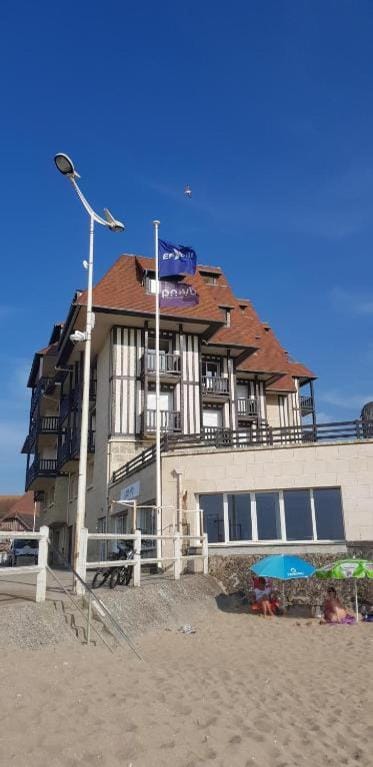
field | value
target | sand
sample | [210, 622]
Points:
[242, 690]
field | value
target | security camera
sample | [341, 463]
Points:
[85, 264]
[78, 336]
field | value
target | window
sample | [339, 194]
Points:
[239, 517]
[268, 516]
[298, 518]
[210, 368]
[150, 285]
[328, 513]
[209, 279]
[282, 515]
[227, 318]
[213, 513]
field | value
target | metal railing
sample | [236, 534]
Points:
[247, 407]
[306, 405]
[69, 450]
[170, 421]
[215, 385]
[48, 424]
[40, 388]
[210, 436]
[41, 467]
[169, 364]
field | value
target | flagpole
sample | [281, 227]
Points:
[158, 500]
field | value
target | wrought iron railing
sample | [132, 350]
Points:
[41, 467]
[215, 385]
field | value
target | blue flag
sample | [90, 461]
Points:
[174, 260]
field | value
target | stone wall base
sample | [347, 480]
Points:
[234, 573]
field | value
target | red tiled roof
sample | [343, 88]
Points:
[6, 503]
[122, 288]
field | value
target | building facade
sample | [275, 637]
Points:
[237, 419]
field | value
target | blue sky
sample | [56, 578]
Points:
[264, 108]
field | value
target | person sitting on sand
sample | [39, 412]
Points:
[262, 591]
[334, 612]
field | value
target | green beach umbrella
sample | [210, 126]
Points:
[347, 568]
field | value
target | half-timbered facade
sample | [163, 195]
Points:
[223, 372]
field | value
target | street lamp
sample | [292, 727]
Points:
[66, 166]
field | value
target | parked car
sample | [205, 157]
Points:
[23, 552]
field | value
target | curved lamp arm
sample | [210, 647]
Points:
[111, 223]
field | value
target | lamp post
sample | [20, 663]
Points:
[66, 167]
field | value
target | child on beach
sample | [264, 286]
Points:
[334, 612]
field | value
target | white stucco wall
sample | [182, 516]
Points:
[345, 465]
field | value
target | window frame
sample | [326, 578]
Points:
[255, 540]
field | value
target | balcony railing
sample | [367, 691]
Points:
[210, 437]
[40, 388]
[306, 405]
[170, 421]
[169, 364]
[49, 424]
[247, 408]
[41, 467]
[65, 406]
[69, 450]
[215, 385]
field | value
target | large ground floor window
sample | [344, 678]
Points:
[313, 514]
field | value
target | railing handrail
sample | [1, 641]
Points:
[169, 362]
[260, 436]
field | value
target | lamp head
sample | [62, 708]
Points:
[113, 223]
[65, 165]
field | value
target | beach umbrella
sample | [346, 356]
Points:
[347, 568]
[284, 567]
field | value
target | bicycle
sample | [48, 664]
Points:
[117, 576]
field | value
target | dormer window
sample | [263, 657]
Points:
[227, 318]
[209, 279]
[150, 284]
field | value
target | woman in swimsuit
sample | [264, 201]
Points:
[334, 612]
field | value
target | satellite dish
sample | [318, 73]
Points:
[187, 191]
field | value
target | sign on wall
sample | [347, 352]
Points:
[130, 492]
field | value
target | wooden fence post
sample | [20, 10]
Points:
[82, 566]
[41, 578]
[137, 558]
[205, 554]
[177, 556]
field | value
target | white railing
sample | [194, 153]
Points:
[40, 569]
[177, 557]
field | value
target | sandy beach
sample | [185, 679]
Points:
[242, 691]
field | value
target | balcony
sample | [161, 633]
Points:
[170, 422]
[69, 450]
[215, 388]
[306, 405]
[40, 388]
[247, 408]
[41, 468]
[65, 406]
[169, 366]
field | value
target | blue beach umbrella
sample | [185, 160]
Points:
[284, 567]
